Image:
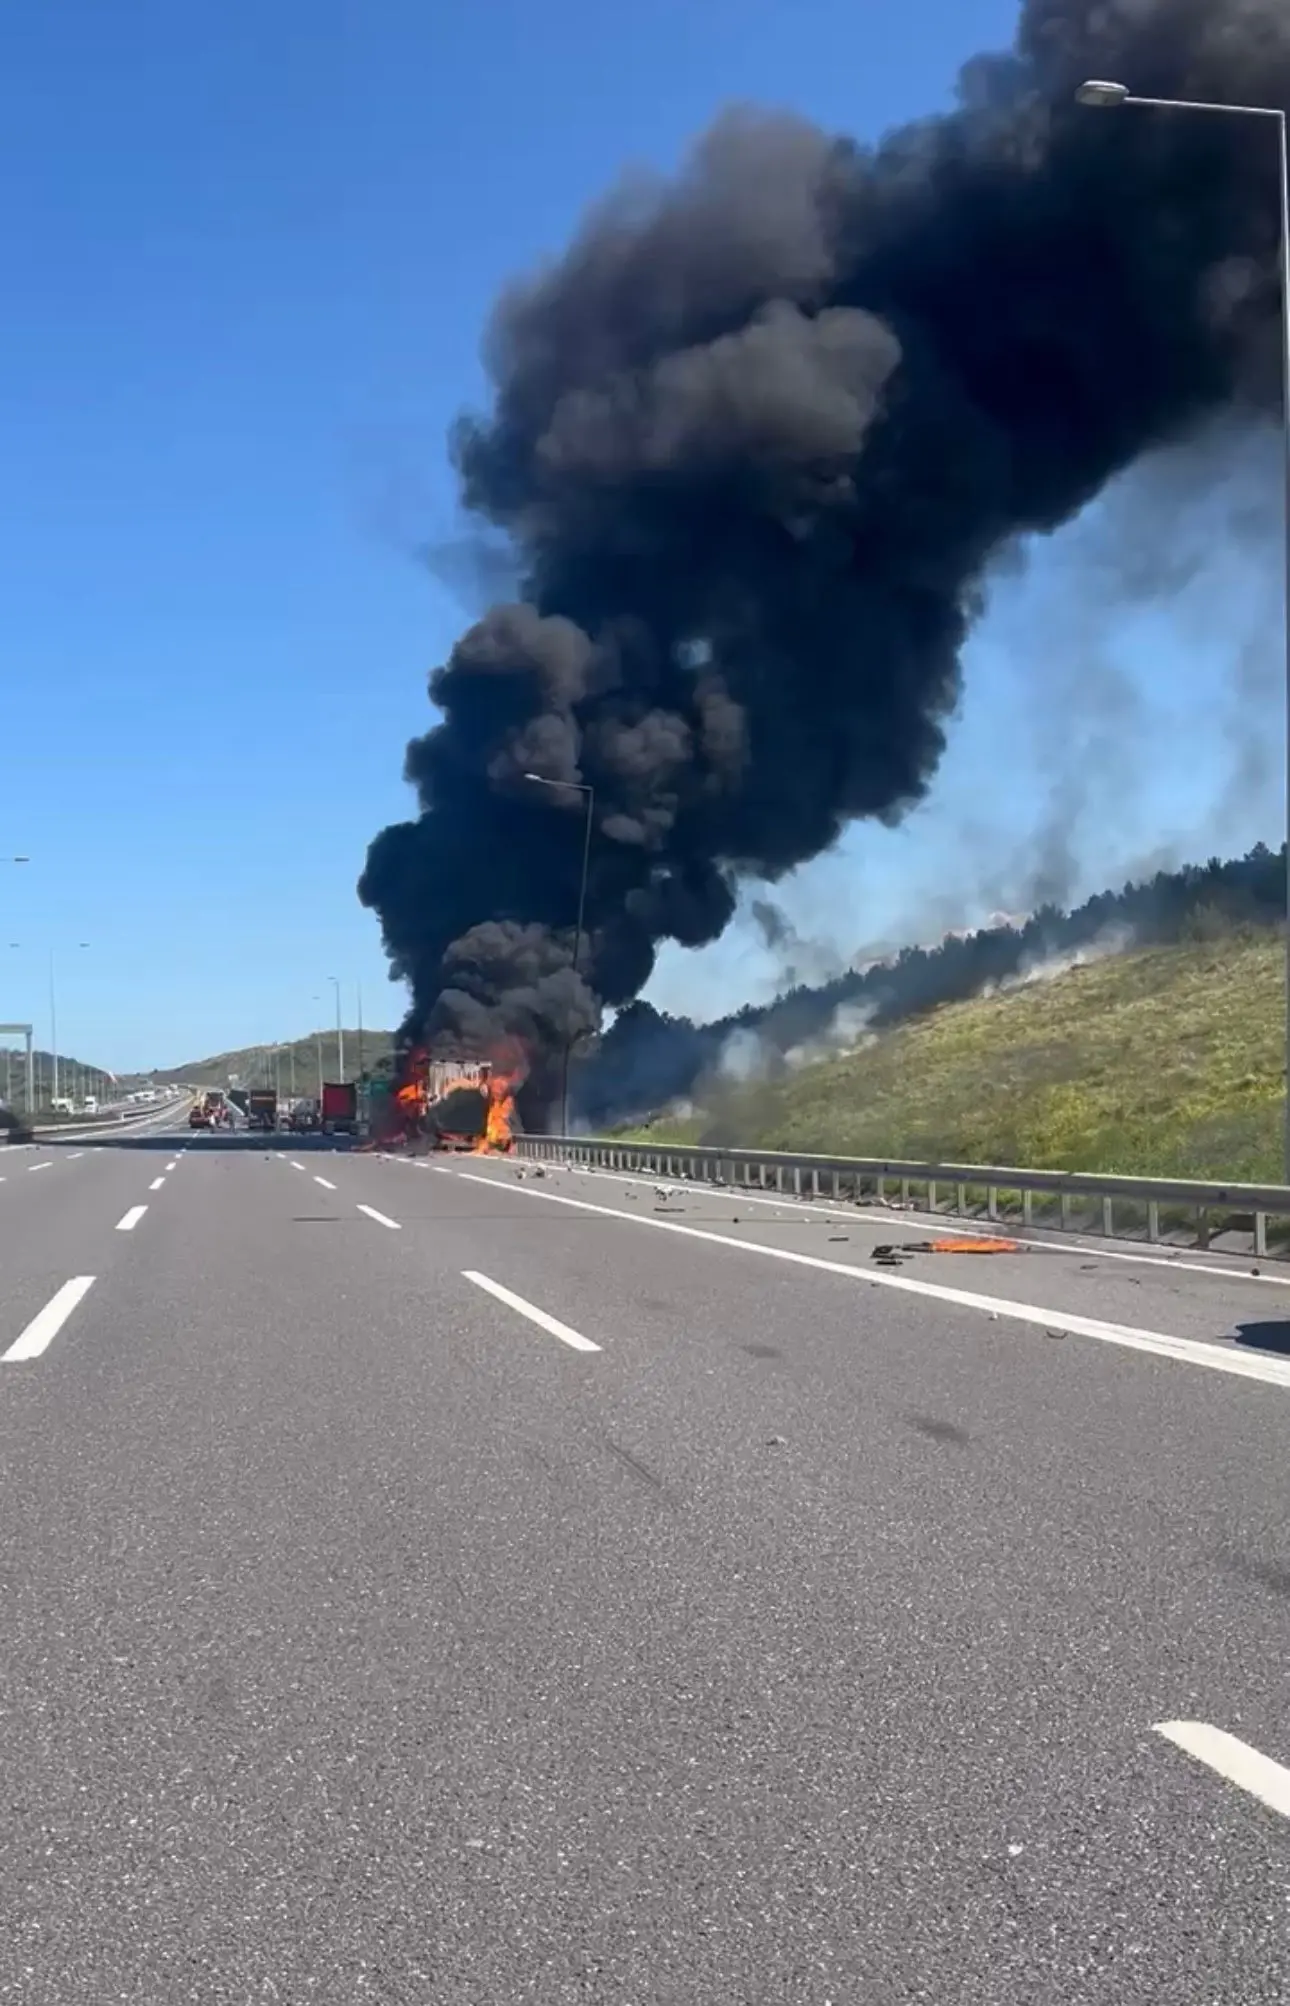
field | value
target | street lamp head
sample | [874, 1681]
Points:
[1101, 94]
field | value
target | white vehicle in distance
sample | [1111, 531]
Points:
[90, 1104]
[61, 1105]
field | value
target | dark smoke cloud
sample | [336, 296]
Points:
[757, 439]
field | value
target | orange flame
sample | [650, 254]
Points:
[497, 1138]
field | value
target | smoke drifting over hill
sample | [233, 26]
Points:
[755, 438]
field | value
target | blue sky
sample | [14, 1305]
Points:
[249, 250]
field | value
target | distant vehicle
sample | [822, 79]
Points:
[90, 1104]
[339, 1108]
[61, 1105]
[304, 1117]
[198, 1117]
[262, 1108]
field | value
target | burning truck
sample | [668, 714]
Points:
[452, 1104]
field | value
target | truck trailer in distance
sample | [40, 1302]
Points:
[262, 1108]
[339, 1110]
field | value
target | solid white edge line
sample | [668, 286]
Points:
[380, 1218]
[1242, 1365]
[1233, 1759]
[325, 1185]
[156, 1184]
[573, 1338]
[46, 1324]
[131, 1219]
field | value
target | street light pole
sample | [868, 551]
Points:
[579, 787]
[53, 1027]
[340, 1035]
[318, 1034]
[7, 1088]
[1108, 96]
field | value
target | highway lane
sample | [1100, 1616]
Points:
[805, 1642]
[60, 1209]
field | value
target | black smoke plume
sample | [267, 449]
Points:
[756, 438]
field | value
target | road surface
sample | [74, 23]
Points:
[425, 1583]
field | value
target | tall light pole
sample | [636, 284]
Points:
[573, 787]
[53, 1018]
[1107, 96]
[17, 860]
[31, 1059]
[318, 1035]
[340, 1035]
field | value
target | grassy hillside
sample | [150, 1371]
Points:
[1168, 1062]
[254, 1064]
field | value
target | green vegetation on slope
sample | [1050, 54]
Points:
[1167, 1062]
[298, 1061]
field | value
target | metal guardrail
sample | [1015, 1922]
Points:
[1143, 1208]
[78, 1124]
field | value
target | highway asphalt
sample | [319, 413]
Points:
[556, 1589]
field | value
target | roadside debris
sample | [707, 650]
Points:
[895, 1253]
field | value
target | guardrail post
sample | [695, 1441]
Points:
[991, 1201]
[960, 1198]
[1027, 1207]
[1065, 1213]
[882, 1189]
[904, 1191]
[815, 1184]
[1153, 1220]
[797, 1179]
[1202, 1227]
[1260, 1234]
[1108, 1219]
[931, 1194]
